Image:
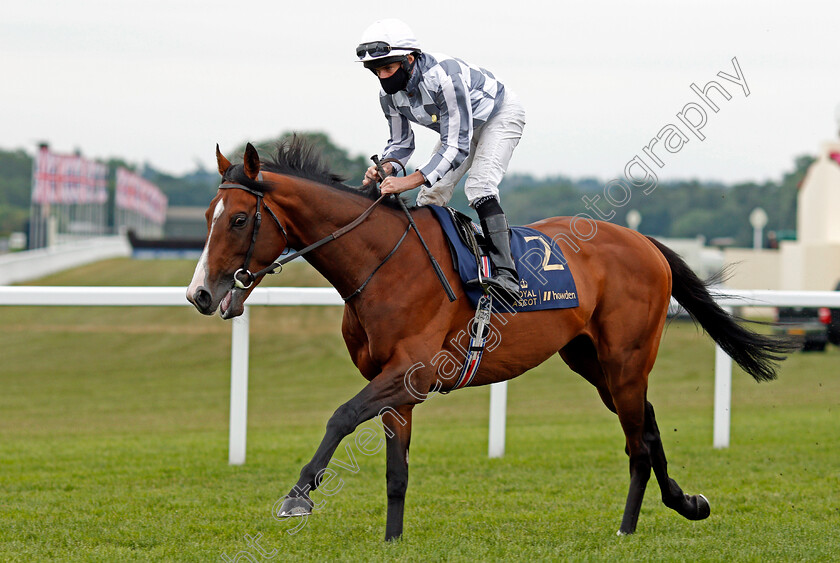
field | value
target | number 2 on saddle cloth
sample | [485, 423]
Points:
[545, 281]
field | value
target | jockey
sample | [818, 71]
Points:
[479, 121]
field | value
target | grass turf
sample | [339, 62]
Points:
[113, 446]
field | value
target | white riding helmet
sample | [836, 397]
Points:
[386, 39]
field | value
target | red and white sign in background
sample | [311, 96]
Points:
[141, 196]
[68, 179]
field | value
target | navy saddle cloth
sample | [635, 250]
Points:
[544, 279]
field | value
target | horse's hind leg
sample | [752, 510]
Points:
[622, 385]
[694, 507]
[644, 444]
[580, 355]
[629, 399]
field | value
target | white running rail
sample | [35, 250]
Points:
[288, 296]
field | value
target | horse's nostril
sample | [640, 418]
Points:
[203, 298]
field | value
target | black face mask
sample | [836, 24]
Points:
[395, 82]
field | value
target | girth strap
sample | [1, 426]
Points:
[479, 331]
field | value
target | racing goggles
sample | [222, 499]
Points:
[376, 49]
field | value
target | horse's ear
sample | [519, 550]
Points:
[221, 161]
[252, 162]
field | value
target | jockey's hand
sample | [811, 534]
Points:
[372, 174]
[396, 185]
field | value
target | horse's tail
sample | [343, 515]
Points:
[757, 354]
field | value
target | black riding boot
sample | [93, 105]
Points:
[497, 232]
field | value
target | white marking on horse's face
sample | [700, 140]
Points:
[200, 275]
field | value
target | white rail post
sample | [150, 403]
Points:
[238, 389]
[723, 395]
[498, 409]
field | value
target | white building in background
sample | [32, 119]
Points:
[812, 262]
[705, 261]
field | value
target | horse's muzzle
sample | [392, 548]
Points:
[202, 300]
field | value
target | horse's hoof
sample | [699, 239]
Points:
[703, 508]
[295, 506]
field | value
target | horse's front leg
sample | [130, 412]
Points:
[385, 391]
[397, 424]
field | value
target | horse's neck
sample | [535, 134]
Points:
[315, 211]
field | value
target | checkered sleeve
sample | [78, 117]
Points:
[401, 143]
[456, 128]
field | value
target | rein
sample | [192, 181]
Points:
[438, 272]
[243, 278]
[276, 266]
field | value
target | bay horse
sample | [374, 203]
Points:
[398, 321]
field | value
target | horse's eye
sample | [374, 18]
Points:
[239, 221]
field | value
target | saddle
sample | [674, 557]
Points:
[470, 235]
[544, 281]
[552, 288]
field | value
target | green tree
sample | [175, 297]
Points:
[15, 190]
[338, 160]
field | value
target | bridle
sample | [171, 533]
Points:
[243, 278]
[249, 277]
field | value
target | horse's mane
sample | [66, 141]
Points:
[297, 156]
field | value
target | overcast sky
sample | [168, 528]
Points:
[162, 81]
